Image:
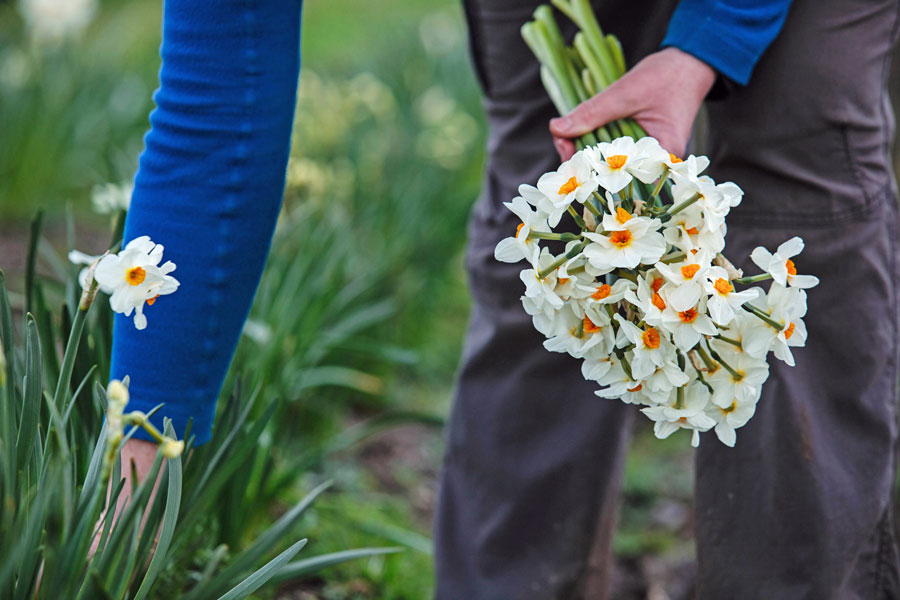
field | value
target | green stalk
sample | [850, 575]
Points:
[707, 360]
[762, 316]
[578, 220]
[753, 279]
[737, 376]
[560, 237]
[68, 363]
[562, 259]
[728, 340]
[681, 206]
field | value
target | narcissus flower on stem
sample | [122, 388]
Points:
[134, 277]
[781, 267]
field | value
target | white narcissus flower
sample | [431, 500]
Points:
[745, 386]
[650, 297]
[651, 347]
[785, 306]
[781, 267]
[623, 159]
[541, 292]
[755, 337]
[518, 247]
[686, 278]
[711, 199]
[573, 181]
[729, 418]
[688, 232]
[603, 293]
[134, 276]
[688, 168]
[724, 303]
[691, 415]
[577, 336]
[631, 241]
[620, 385]
[688, 326]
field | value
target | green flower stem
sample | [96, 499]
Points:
[654, 197]
[560, 237]
[625, 364]
[763, 316]
[140, 419]
[587, 22]
[737, 376]
[68, 362]
[679, 398]
[615, 49]
[561, 260]
[674, 258]
[593, 209]
[728, 340]
[632, 277]
[590, 61]
[578, 220]
[753, 279]
[707, 360]
[677, 208]
[575, 270]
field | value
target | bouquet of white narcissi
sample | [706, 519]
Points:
[642, 293]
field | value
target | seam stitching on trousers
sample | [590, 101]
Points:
[885, 540]
[854, 166]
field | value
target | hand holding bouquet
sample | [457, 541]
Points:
[641, 291]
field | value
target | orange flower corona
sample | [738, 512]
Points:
[651, 338]
[617, 161]
[602, 292]
[136, 275]
[688, 316]
[688, 271]
[570, 186]
[620, 238]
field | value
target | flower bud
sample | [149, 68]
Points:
[118, 395]
[172, 448]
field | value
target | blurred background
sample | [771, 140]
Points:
[359, 334]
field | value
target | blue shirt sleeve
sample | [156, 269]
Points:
[728, 35]
[208, 188]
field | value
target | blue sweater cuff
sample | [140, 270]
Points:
[728, 36]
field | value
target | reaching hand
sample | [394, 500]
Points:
[662, 93]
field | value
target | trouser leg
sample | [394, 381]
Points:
[800, 508]
[533, 461]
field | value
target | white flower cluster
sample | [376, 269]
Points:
[642, 293]
[132, 278]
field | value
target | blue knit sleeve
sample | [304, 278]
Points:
[728, 35]
[209, 187]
